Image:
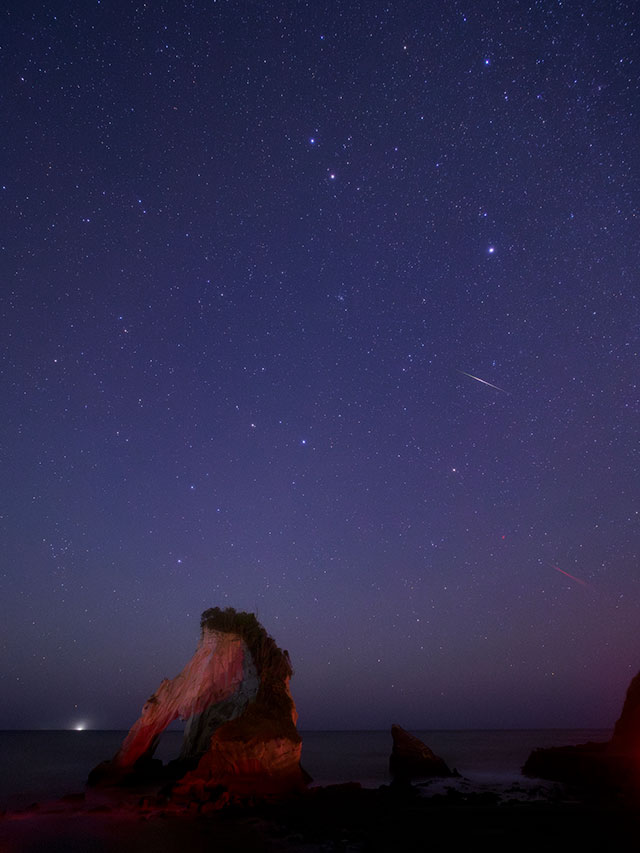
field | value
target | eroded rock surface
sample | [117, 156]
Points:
[240, 739]
[411, 758]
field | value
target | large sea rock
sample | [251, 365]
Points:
[240, 739]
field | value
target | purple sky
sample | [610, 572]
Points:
[255, 259]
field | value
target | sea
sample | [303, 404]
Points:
[36, 766]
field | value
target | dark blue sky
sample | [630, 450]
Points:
[253, 255]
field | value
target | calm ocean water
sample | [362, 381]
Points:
[47, 764]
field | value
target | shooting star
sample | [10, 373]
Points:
[484, 381]
[573, 578]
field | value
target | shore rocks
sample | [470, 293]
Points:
[411, 758]
[240, 739]
[579, 764]
[612, 766]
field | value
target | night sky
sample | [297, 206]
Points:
[328, 311]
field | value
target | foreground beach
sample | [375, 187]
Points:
[335, 818]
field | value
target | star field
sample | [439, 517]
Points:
[329, 311]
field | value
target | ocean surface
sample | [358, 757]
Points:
[39, 765]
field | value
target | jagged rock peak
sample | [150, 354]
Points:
[411, 758]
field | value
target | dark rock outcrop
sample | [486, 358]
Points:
[240, 740]
[412, 759]
[585, 763]
[612, 766]
[626, 734]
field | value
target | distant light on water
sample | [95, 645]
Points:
[79, 727]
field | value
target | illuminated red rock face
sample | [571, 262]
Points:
[221, 669]
[246, 768]
[241, 739]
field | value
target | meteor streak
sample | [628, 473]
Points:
[484, 381]
[573, 578]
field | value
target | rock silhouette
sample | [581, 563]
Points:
[612, 766]
[411, 758]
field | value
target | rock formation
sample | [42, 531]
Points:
[626, 734]
[240, 739]
[411, 758]
[612, 765]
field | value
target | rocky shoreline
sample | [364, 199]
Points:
[238, 784]
[402, 817]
